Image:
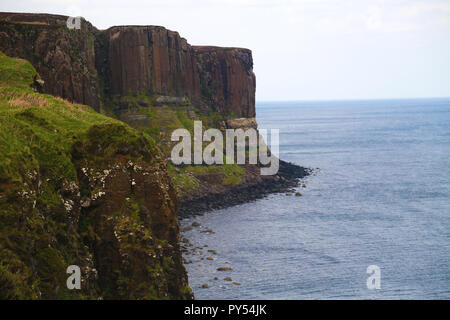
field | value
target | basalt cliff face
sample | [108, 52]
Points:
[83, 187]
[64, 59]
[227, 80]
[79, 188]
[149, 60]
[89, 66]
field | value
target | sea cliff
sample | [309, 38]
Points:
[80, 188]
[85, 176]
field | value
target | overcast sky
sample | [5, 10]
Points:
[302, 49]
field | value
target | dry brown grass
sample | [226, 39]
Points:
[69, 104]
[26, 100]
[65, 101]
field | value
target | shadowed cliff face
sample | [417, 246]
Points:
[90, 66]
[151, 60]
[227, 80]
[132, 212]
[65, 59]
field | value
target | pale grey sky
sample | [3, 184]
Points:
[302, 49]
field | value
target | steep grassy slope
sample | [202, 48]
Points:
[77, 187]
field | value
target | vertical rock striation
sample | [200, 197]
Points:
[90, 66]
[227, 80]
[150, 60]
[121, 214]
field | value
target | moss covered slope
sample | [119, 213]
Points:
[158, 117]
[77, 187]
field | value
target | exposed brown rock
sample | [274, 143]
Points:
[243, 123]
[151, 59]
[65, 59]
[224, 269]
[133, 209]
[89, 66]
[227, 79]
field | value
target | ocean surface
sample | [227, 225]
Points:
[381, 197]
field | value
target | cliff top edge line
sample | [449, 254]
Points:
[58, 19]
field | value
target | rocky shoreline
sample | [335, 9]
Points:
[200, 251]
[285, 180]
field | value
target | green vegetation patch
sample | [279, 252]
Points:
[143, 113]
[186, 179]
[41, 139]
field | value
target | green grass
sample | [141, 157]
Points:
[181, 181]
[159, 123]
[40, 132]
[186, 179]
[16, 73]
[37, 131]
[42, 139]
[226, 174]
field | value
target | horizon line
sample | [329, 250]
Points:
[351, 99]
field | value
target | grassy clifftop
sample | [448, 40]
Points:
[74, 190]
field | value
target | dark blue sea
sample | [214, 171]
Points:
[381, 197]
